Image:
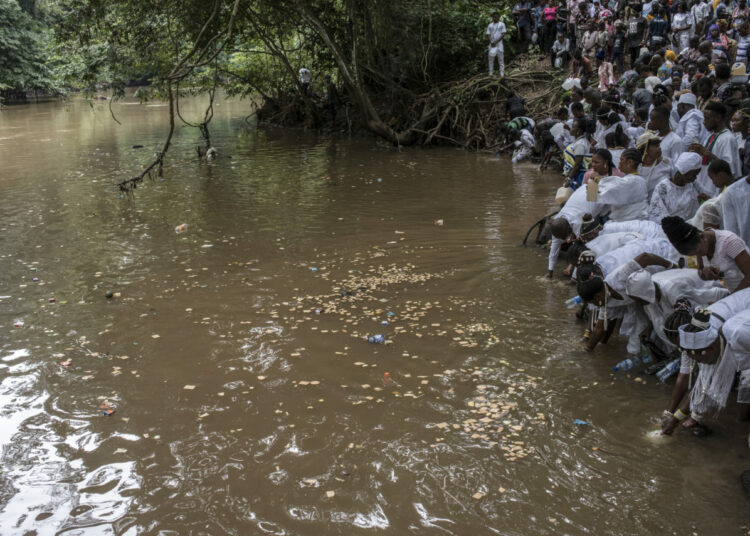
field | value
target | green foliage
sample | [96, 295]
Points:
[22, 50]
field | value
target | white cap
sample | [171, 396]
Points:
[687, 98]
[688, 161]
[697, 340]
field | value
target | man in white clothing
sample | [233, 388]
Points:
[671, 144]
[304, 78]
[495, 34]
[719, 143]
[735, 205]
[690, 128]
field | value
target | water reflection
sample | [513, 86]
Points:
[227, 389]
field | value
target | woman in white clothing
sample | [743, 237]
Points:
[625, 197]
[720, 254]
[713, 383]
[718, 339]
[677, 195]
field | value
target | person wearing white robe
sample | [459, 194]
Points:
[722, 346]
[719, 142]
[690, 128]
[709, 214]
[524, 146]
[735, 206]
[613, 303]
[655, 173]
[572, 212]
[677, 196]
[626, 197]
[660, 291]
[671, 144]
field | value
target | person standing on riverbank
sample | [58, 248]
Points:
[495, 34]
[304, 79]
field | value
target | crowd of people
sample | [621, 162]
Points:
[654, 222]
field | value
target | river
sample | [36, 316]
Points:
[225, 388]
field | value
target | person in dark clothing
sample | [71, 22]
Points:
[657, 29]
[636, 33]
[515, 106]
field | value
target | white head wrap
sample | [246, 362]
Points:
[640, 285]
[651, 82]
[687, 98]
[688, 161]
[698, 340]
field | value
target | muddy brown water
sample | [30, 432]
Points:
[245, 400]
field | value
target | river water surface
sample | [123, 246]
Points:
[225, 387]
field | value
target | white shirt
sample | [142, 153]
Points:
[304, 76]
[725, 147]
[672, 146]
[626, 197]
[690, 128]
[735, 205]
[672, 200]
[653, 175]
[495, 31]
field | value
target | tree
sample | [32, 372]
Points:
[22, 42]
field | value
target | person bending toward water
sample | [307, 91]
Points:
[720, 254]
[719, 341]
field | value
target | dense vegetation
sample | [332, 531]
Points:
[409, 70]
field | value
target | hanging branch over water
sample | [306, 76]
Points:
[197, 57]
[128, 186]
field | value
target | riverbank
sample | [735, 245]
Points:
[468, 113]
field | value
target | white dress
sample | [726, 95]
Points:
[672, 146]
[735, 205]
[653, 175]
[724, 147]
[626, 197]
[672, 200]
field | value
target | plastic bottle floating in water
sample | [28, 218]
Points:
[376, 339]
[669, 370]
[573, 302]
